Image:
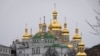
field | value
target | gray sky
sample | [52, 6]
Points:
[14, 14]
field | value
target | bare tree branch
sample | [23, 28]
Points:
[96, 12]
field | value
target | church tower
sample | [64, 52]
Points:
[81, 49]
[65, 33]
[26, 35]
[76, 38]
[55, 27]
[40, 26]
[44, 26]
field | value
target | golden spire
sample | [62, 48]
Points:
[44, 19]
[76, 28]
[44, 24]
[26, 30]
[65, 24]
[31, 32]
[26, 35]
[81, 49]
[65, 30]
[50, 26]
[40, 26]
[77, 36]
[54, 12]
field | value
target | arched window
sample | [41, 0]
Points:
[33, 51]
[38, 50]
[48, 41]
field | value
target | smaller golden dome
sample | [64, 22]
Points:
[40, 30]
[81, 54]
[76, 36]
[81, 43]
[54, 12]
[65, 30]
[70, 45]
[26, 34]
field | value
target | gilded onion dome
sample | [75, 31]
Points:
[54, 25]
[65, 31]
[81, 43]
[69, 45]
[26, 34]
[81, 54]
[81, 49]
[76, 36]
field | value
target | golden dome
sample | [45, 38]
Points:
[70, 45]
[54, 12]
[65, 30]
[81, 54]
[76, 36]
[55, 25]
[81, 43]
[26, 34]
[40, 30]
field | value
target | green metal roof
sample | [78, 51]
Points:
[46, 35]
[56, 45]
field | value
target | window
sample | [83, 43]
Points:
[6, 50]
[3, 50]
[20, 52]
[0, 49]
[37, 50]
[9, 51]
[33, 51]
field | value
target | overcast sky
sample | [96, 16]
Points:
[14, 14]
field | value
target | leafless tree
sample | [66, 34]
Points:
[96, 27]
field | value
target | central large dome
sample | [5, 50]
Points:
[54, 25]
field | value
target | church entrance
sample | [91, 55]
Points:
[51, 51]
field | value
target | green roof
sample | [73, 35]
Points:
[57, 45]
[46, 35]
